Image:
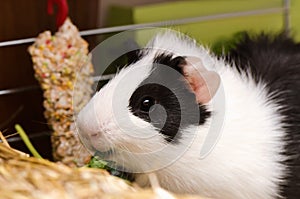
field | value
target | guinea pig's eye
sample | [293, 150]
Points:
[146, 103]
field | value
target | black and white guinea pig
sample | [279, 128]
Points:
[155, 114]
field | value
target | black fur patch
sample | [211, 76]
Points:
[167, 60]
[170, 90]
[124, 60]
[275, 61]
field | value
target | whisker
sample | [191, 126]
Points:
[40, 122]
[5, 130]
[12, 117]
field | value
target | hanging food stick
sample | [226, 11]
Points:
[60, 61]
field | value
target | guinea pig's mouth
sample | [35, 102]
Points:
[112, 167]
[103, 154]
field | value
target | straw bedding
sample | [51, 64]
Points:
[27, 177]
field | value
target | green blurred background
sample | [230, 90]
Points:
[209, 32]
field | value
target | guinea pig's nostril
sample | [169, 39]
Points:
[94, 134]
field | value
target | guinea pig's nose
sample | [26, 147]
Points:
[94, 135]
[88, 130]
[86, 127]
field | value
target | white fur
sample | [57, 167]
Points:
[243, 164]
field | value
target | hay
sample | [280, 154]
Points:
[27, 177]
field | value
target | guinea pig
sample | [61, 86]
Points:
[156, 114]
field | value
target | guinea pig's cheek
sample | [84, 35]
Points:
[98, 144]
[138, 123]
[141, 129]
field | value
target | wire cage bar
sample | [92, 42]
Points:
[285, 9]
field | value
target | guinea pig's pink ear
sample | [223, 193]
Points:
[203, 83]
